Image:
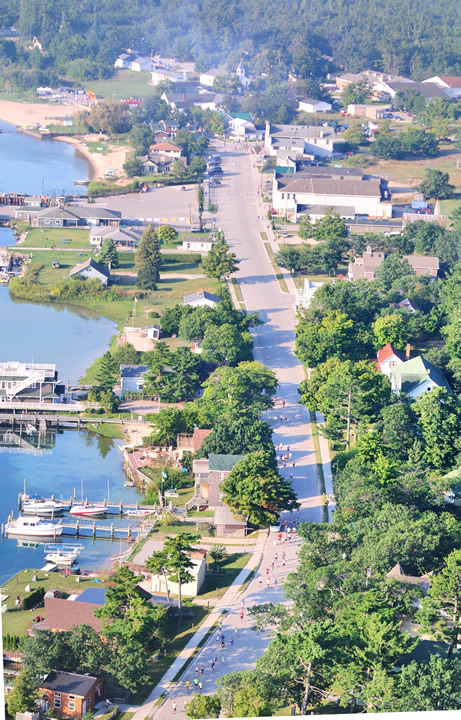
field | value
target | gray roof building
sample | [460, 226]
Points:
[68, 682]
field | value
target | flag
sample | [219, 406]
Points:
[164, 475]
[136, 299]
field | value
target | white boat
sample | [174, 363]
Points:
[139, 513]
[42, 506]
[65, 554]
[87, 510]
[32, 527]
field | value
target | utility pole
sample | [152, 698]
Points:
[348, 433]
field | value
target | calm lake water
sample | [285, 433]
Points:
[33, 166]
[74, 457]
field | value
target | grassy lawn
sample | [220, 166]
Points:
[188, 268]
[448, 206]
[161, 531]
[16, 622]
[122, 85]
[107, 430]
[74, 238]
[49, 275]
[175, 643]
[275, 267]
[216, 585]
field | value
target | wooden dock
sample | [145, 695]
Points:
[109, 532]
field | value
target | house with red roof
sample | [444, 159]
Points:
[388, 357]
[166, 148]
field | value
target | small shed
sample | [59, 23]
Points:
[227, 523]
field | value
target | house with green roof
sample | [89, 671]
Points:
[417, 376]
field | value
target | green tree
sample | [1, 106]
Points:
[436, 184]
[391, 270]
[141, 137]
[132, 167]
[442, 606]
[387, 145]
[226, 345]
[354, 93]
[149, 259]
[167, 235]
[255, 489]
[109, 255]
[391, 328]
[168, 423]
[203, 706]
[24, 695]
[428, 686]
[237, 434]
[249, 703]
[218, 554]
[409, 100]
[220, 262]
[354, 137]
[305, 229]
[178, 550]
[397, 426]
[321, 338]
[159, 564]
[108, 372]
[439, 419]
[332, 226]
[105, 116]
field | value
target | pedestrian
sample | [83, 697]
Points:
[279, 536]
[196, 681]
[202, 669]
[275, 581]
[232, 641]
[288, 530]
[188, 685]
[283, 555]
[260, 581]
[294, 464]
[222, 644]
[200, 685]
[215, 659]
[222, 659]
[268, 581]
[283, 403]
[241, 615]
[267, 571]
[290, 455]
[283, 562]
[294, 531]
[242, 604]
[274, 543]
[284, 464]
[291, 476]
[196, 669]
[212, 665]
[276, 557]
[174, 706]
[281, 446]
[288, 448]
[235, 633]
[272, 565]
[278, 458]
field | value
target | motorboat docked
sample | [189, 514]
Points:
[65, 554]
[87, 510]
[139, 513]
[43, 506]
[32, 527]
[86, 181]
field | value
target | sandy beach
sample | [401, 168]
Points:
[27, 114]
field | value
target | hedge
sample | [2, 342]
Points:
[35, 598]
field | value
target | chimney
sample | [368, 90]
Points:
[407, 351]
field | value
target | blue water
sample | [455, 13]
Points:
[76, 457]
[7, 237]
[33, 166]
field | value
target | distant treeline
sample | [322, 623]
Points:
[81, 38]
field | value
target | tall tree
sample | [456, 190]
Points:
[439, 414]
[428, 686]
[255, 489]
[436, 184]
[442, 607]
[107, 373]
[149, 259]
[109, 254]
[24, 695]
[220, 262]
[178, 550]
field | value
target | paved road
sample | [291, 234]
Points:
[239, 207]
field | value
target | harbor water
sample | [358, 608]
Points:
[34, 166]
[68, 461]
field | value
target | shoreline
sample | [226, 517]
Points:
[26, 114]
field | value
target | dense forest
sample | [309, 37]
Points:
[308, 37]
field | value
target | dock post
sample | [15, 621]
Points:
[129, 532]
[54, 534]
[105, 502]
[19, 501]
[121, 507]
[3, 530]
[112, 530]
[94, 528]
[137, 504]
[78, 423]
[75, 493]
[77, 526]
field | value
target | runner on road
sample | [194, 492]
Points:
[188, 685]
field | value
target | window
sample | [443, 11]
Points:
[57, 702]
[71, 705]
[88, 702]
[283, 196]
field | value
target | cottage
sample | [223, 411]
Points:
[227, 523]
[208, 78]
[202, 298]
[424, 264]
[71, 694]
[417, 376]
[209, 474]
[188, 95]
[374, 112]
[90, 269]
[201, 245]
[242, 129]
[388, 357]
[132, 378]
[191, 443]
[191, 588]
[166, 148]
[124, 238]
[313, 106]
[161, 74]
[365, 266]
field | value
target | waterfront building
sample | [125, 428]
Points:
[29, 382]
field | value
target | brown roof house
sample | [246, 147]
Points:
[191, 443]
[365, 266]
[209, 474]
[63, 614]
[71, 694]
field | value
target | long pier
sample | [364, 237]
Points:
[60, 420]
[110, 532]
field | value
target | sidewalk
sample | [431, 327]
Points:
[326, 466]
[228, 600]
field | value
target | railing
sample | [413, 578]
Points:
[195, 502]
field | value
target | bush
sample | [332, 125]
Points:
[173, 258]
[35, 598]
[154, 314]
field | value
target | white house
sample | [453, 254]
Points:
[318, 141]
[192, 588]
[388, 357]
[123, 61]
[304, 295]
[451, 84]
[161, 74]
[417, 376]
[389, 89]
[132, 378]
[90, 269]
[124, 238]
[242, 129]
[166, 148]
[313, 106]
[207, 78]
[202, 245]
[142, 64]
[240, 72]
[202, 298]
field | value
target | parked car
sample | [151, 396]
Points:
[214, 182]
[215, 171]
